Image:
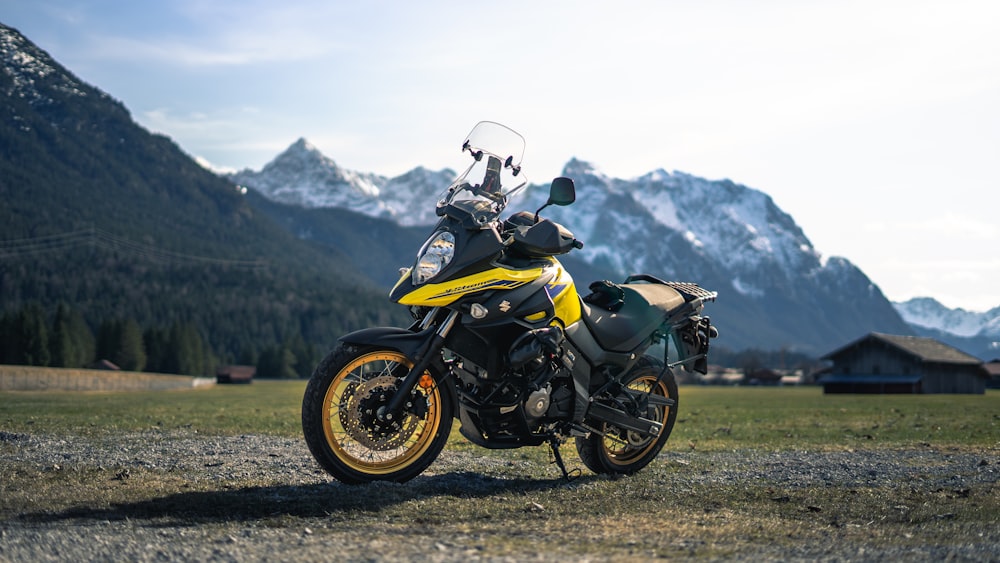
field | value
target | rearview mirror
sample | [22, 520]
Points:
[562, 191]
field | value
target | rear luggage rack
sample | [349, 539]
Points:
[693, 290]
[689, 290]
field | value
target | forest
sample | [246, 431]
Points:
[71, 307]
[115, 244]
[36, 337]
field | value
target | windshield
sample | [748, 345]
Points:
[495, 173]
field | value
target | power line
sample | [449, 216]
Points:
[16, 248]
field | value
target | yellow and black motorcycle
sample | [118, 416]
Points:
[503, 342]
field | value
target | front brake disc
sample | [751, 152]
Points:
[359, 417]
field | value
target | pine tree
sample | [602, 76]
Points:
[247, 357]
[31, 335]
[157, 343]
[61, 343]
[304, 354]
[195, 351]
[70, 341]
[277, 362]
[8, 343]
[130, 354]
[186, 353]
[83, 339]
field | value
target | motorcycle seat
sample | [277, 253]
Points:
[644, 306]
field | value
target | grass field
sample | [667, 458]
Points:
[711, 495]
[709, 419]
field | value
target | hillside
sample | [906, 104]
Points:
[118, 223]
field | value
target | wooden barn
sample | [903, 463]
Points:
[235, 374]
[993, 368]
[886, 363]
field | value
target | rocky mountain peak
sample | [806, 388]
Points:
[302, 175]
[303, 154]
[29, 74]
[576, 168]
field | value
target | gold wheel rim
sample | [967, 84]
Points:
[624, 448]
[352, 393]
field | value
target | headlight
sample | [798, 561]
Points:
[436, 253]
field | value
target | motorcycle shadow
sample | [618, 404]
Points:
[312, 500]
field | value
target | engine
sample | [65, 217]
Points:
[539, 358]
[536, 388]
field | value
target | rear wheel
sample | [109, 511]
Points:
[341, 427]
[625, 451]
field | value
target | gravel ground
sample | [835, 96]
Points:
[282, 467]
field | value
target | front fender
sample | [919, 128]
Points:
[409, 343]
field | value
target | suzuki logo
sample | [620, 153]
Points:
[504, 306]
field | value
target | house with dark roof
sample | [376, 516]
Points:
[993, 368]
[235, 374]
[887, 363]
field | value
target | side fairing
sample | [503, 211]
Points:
[447, 292]
[562, 290]
[494, 282]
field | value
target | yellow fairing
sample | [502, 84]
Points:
[563, 293]
[442, 294]
[561, 289]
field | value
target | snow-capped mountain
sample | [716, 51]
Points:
[711, 219]
[679, 218]
[775, 289]
[927, 312]
[303, 176]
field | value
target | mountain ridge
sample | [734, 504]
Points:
[975, 332]
[927, 312]
[724, 235]
[302, 175]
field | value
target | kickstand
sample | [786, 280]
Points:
[554, 445]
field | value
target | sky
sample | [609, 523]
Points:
[875, 124]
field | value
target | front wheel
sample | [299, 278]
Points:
[341, 427]
[623, 451]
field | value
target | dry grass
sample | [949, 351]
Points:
[705, 497]
[504, 508]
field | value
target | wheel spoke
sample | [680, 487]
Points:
[353, 430]
[649, 390]
[624, 447]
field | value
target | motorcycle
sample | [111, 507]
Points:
[503, 342]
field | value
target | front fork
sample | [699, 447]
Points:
[424, 357]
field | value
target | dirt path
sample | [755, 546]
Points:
[160, 497]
